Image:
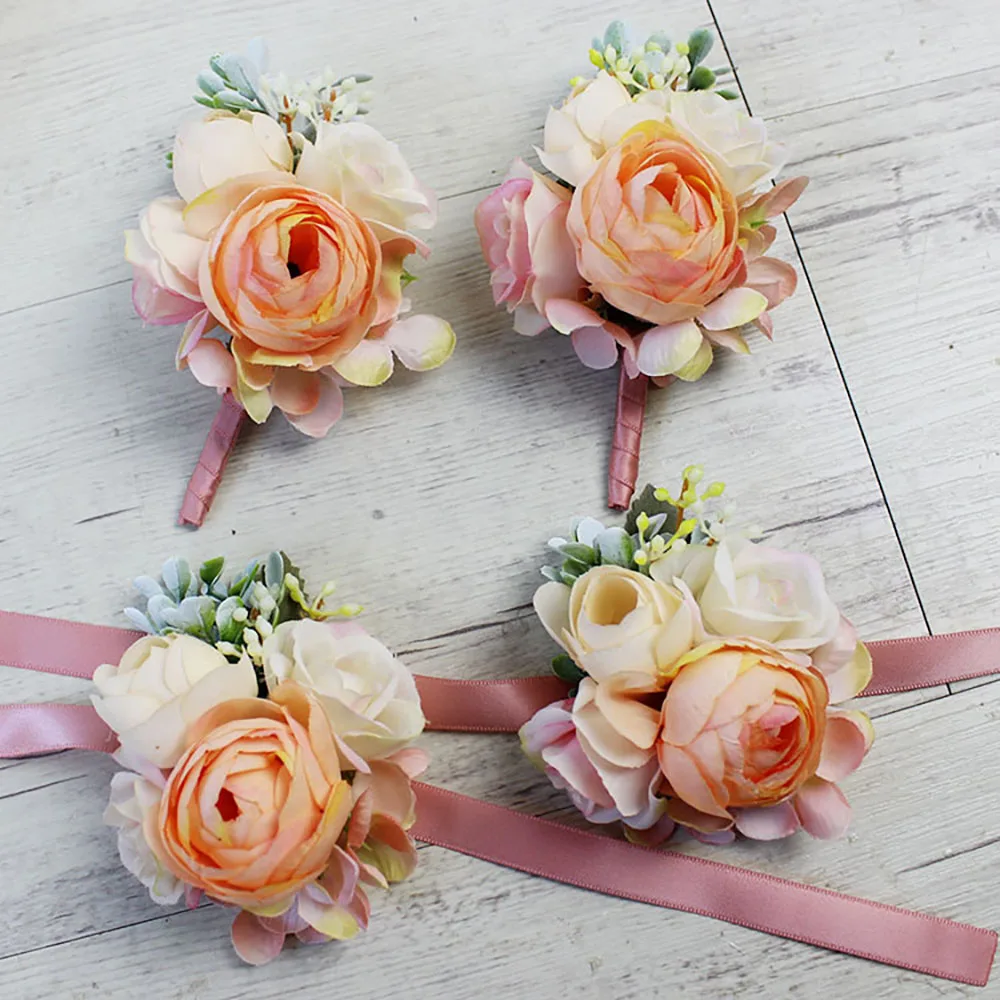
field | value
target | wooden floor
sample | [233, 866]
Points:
[867, 434]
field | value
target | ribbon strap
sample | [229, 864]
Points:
[675, 881]
[56, 646]
[32, 729]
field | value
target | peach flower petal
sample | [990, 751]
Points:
[368, 363]
[822, 809]
[328, 410]
[254, 942]
[847, 739]
[733, 308]
[767, 822]
[421, 342]
[212, 364]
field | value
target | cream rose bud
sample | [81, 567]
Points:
[359, 167]
[162, 686]
[369, 696]
[222, 145]
[615, 620]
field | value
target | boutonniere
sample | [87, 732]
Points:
[284, 254]
[647, 240]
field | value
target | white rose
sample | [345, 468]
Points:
[133, 799]
[369, 696]
[736, 143]
[355, 164]
[765, 593]
[223, 145]
[162, 686]
[575, 133]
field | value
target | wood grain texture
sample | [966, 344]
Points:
[813, 54]
[432, 500]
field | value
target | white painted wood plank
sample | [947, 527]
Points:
[791, 57]
[899, 230]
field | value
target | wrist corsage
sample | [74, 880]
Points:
[268, 754]
[284, 254]
[648, 241]
[708, 672]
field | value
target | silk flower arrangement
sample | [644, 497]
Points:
[267, 755]
[708, 672]
[648, 241]
[284, 254]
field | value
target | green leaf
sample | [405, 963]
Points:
[662, 39]
[566, 670]
[204, 101]
[616, 547]
[211, 569]
[729, 95]
[229, 630]
[176, 574]
[210, 83]
[147, 586]
[580, 552]
[575, 567]
[274, 571]
[701, 78]
[699, 45]
[646, 502]
[615, 36]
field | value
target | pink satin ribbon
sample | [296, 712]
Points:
[551, 850]
[207, 475]
[56, 646]
[676, 881]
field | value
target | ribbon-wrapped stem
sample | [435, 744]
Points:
[207, 473]
[630, 411]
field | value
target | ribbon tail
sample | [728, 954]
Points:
[207, 475]
[630, 411]
[815, 916]
[26, 730]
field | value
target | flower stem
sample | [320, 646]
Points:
[207, 473]
[623, 466]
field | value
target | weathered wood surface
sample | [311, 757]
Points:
[431, 502]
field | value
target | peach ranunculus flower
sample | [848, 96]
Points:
[601, 748]
[268, 810]
[298, 272]
[748, 739]
[615, 620]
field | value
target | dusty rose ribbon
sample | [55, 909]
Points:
[207, 475]
[56, 646]
[676, 881]
[630, 413]
[493, 833]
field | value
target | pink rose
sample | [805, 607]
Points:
[522, 230]
[599, 747]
